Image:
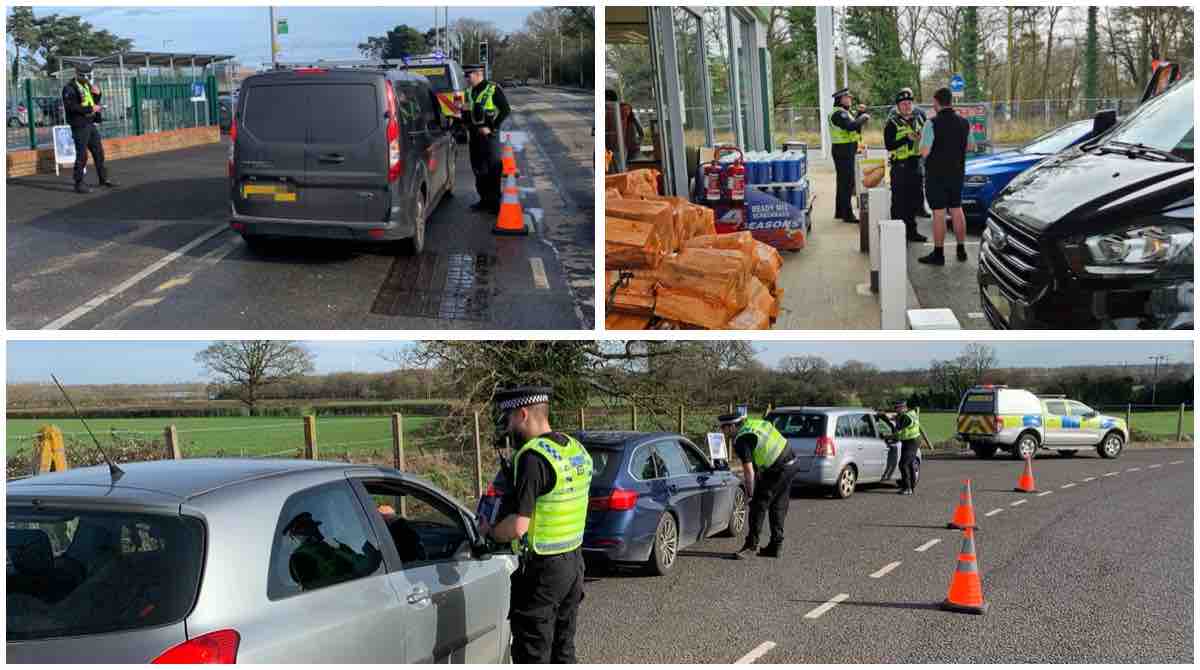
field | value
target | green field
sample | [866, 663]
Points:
[232, 436]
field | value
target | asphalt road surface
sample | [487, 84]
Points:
[1096, 569]
[158, 252]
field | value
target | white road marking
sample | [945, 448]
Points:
[1111, 474]
[817, 612]
[1156, 465]
[1044, 493]
[73, 315]
[994, 512]
[885, 569]
[1134, 470]
[1175, 463]
[1067, 486]
[539, 273]
[1088, 479]
[1019, 502]
[755, 654]
[975, 315]
[928, 544]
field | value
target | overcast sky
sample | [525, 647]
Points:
[313, 32]
[126, 362]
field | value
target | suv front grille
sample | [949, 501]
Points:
[1011, 254]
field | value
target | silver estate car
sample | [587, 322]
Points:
[249, 561]
[837, 447]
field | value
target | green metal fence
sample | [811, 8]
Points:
[133, 105]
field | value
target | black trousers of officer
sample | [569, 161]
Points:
[772, 495]
[906, 193]
[893, 457]
[546, 592]
[908, 463]
[485, 163]
[87, 138]
[845, 183]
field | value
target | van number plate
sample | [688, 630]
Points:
[276, 192]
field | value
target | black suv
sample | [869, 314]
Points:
[1100, 235]
[338, 153]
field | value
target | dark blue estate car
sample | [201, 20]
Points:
[988, 175]
[654, 494]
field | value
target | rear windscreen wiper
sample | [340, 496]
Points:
[1140, 151]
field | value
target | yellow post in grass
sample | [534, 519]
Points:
[49, 452]
[310, 438]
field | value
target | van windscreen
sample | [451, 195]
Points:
[314, 113]
[438, 76]
[976, 402]
[86, 572]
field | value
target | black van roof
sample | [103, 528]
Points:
[348, 72]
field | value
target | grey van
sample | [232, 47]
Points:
[837, 448]
[338, 153]
[249, 561]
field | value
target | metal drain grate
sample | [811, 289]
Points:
[455, 286]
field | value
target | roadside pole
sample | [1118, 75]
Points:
[310, 438]
[171, 438]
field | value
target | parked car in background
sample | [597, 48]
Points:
[17, 114]
[838, 448]
[988, 175]
[248, 561]
[655, 494]
[353, 154]
[225, 105]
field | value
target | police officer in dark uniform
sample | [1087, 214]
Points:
[769, 465]
[906, 426]
[543, 517]
[902, 137]
[845, 133]
[81, 100]
[487, 108]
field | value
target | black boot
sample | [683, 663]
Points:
[771, 550]
[934, 258]
[80, 187]
[108, 183]
[748, 547]
[960, 252]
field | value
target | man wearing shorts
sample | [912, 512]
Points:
[945, 141]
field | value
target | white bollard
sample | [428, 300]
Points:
[880, 202]
[940, 318]
[893, 275]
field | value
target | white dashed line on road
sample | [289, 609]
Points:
[822, 609]
[1019, 502]
[1067, 486]
[885, 569]
[1111, 474]
[539, 273]
[1088, 479]
[1156, 465]
[1044, 493]
[1175, 463]
[1134, 470]
[755, 654]
[994, 512]
[928, 544]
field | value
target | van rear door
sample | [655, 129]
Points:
[346, 156]
[269, 152]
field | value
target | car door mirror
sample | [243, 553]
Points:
[1104, 119]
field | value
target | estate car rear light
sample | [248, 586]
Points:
[617, 501]
[219, 646]
[825, 447]
[395, 165]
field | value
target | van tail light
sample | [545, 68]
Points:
[825, 447]
[232, 142]
[999, 424]
[619, 500]
[395, 164]
[219, 646]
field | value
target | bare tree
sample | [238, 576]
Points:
[914, 37]
[249, 366]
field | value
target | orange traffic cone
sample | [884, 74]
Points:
[512, 218]
[964, 514]
[508, 161]
[966, 590]
[1025, 483]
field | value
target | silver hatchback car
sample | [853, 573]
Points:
[249, 561]
[836, 447]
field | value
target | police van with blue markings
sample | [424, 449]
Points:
[993, 418]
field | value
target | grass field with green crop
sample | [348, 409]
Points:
[231, 436]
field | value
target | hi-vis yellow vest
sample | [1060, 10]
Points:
[913, 431]
[85, 95]
[485, 99]
[904, 131]
[559, 516]
[769, 445]
[839, 135]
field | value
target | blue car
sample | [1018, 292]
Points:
[988, 175]
[654, 494]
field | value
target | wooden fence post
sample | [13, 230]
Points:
[478, 460]
[398, 453]
[582, 421]
[310, 437]
[1129, 420]
[681, 419]
[633, 416]
[49, 452]
[171, 437]
[1179, 425]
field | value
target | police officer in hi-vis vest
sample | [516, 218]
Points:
[769, 465]
[486, 109]
[543, 517]
[907, 426]
[845, 133]
[902, 137]
[81, 102]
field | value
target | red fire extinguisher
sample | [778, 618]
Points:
[712, 180]
[733, 186]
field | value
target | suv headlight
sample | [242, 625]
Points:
[1137, 250]
[975, 180]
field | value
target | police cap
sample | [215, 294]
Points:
[509, 399]
[904, 94]
[840, 92]
[83, 68]
[473, 67]
[731, 419]
[900, 405]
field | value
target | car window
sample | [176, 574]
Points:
[645, 464]
[864, 426]
[276, 113]
[322, 539]
[343, 113]
[438, 76]
[1056, 407]
[845, 426]
[799, 425]
[672, 456]
[408, 103]
[424, 527]
[696, 462]
[1079, 409]
[978, 402]
[1166, 123]
[1058, 139]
